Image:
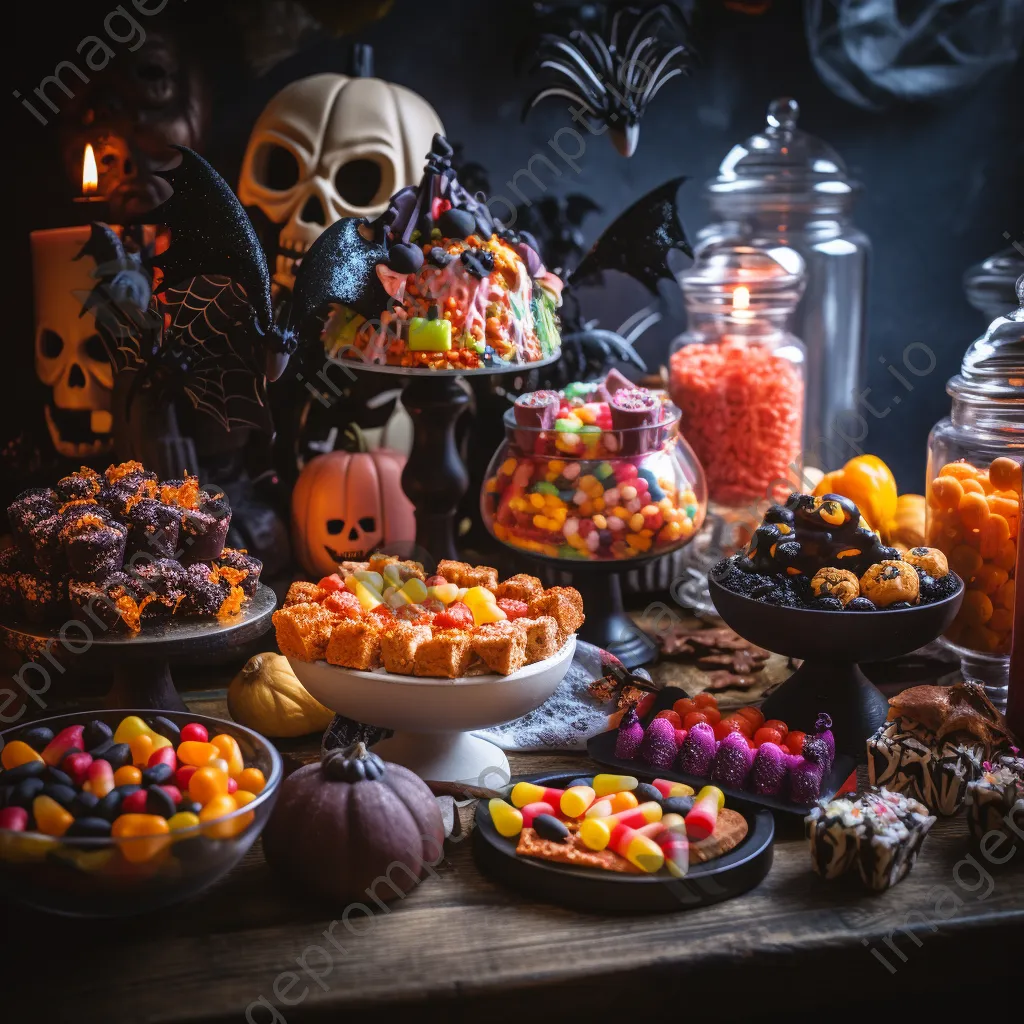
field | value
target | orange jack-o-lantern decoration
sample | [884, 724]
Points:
[348, 503]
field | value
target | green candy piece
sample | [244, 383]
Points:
[691, 510]
[579, 389]
[545, 488]
[566, 425]
[590, 428]
[605, 470]
[568, 551]
[429, 335]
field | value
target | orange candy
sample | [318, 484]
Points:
[206, 784]
[230, 752]
[144, 835]
[251, 780]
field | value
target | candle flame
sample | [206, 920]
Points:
[90, 175]
[741, 297]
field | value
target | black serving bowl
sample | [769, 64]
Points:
[831, 643]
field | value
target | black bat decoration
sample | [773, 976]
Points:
[638, 242]
[614, 63]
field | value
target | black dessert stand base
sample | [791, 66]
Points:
[831, 644]
[606, 625]
[139, 664]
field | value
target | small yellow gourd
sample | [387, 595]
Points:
[267, 696]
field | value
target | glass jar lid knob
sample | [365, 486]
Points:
[783, 113]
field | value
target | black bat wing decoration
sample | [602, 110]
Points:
[212, 235]
[638, 242]
[339, 267]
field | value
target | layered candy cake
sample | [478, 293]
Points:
[122, 547]
[460, 621]
[995, 800]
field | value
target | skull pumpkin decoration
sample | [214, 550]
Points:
[328, 147]
[70, 357]
[347, 504]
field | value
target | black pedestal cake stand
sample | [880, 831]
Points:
[435, 478]
[831, 644]
[139, 664]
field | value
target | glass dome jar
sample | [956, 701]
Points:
[785, 187]
[737, 375]
[608, 494]
[974, 495]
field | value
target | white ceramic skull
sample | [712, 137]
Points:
[328, 147]
[70, 357]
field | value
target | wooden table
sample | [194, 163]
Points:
[463, 946]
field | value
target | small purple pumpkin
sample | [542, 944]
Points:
[342, 823]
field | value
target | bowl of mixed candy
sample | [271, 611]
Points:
[598, 472]
[110, 813]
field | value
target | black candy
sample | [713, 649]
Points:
[405, 258]
[645, 792]
[118, 755]
[60, 777]
[37, 737]
[826, 604]
[95, 733]
[861, 604]
[157, 775]
[28, 770]
[190, 806]
[100, 751]
[110, 806]
[456, 223]
[580, 782]
[159, 802]
[166, 728]
[677, 805]
[549, 827]
[89, 828]
[64, 795]
[84, 804]
[25, 792]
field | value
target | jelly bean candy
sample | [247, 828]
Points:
[135, 803]
[129, 728]
[443, 592]
[100, 778]
[531, 811]
[165, 727]
[77, 766]
[595, 833]
[623, 801]
[142, 749]
[206, 784]
[482, 603]
[252, 780]
[37, 737]
[14, 819]
[51, 818]
[220, 764]
[508, 820]
[641, 851]
[56, 750]
[165, 755]
[576, 800]
[183, 774]
[219, 807]
[547, 826]
[667, 788]
[158, 801]
[128, 775]
[182, 820]
[703, 817]
[524, 793]
[196, 752]
[16, 753]
[194, 732]
[606, 784]
[142, 836]
[230, 752]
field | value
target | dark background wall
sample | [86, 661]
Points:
[941, 183]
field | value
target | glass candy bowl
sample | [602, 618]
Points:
[595, 495]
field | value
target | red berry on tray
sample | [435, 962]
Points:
[778, 725]
[734, 723]
[512, 608]
[706, 700]
[645, 704]
[752, 714]
[693, 718]
[684, 706]
[795, 742]
[711, 714]
[766, 735]
[672, 716]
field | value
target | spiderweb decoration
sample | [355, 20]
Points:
[613, 66]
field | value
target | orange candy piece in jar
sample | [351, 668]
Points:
[974, 516]
[219, 808]
[144, 835]
[206, 784]
[229, 750]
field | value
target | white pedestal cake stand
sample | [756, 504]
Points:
[432, 718]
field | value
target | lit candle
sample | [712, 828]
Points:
[97, 204]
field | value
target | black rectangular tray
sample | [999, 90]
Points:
[602, 749]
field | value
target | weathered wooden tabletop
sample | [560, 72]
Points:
[460, 945]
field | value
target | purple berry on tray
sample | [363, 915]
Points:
[659, 748]
[733, 761]
[823, 729]
[629, 736]
[805, 780]
[697, 754]
[768, 774]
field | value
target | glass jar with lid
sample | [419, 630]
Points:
[737, 375]
[784, 186]
[974, 495]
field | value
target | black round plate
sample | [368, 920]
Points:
[590, 889]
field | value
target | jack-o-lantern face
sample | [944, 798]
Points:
[346, 505]
[328, 147]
